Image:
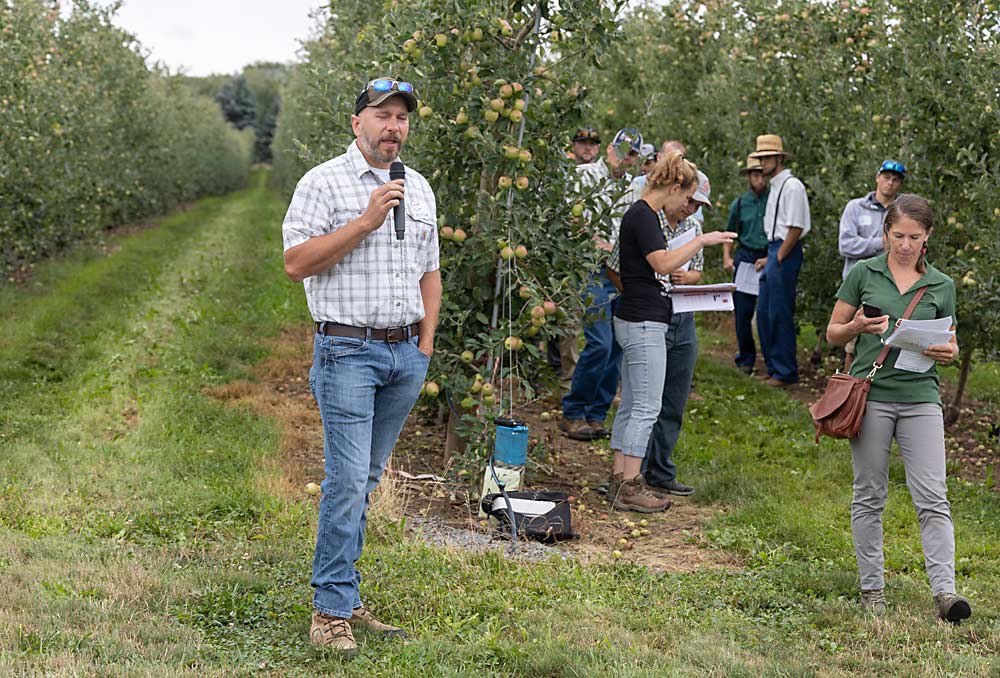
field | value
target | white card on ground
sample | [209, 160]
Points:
[747, 278]
[526, 507]
[689, 298]
[681, 240]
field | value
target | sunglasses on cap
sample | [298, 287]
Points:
[383, 85]
[893, 166]
[587, 134]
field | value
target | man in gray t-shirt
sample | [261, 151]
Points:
[861, 223]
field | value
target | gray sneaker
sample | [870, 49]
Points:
[952, 607]
[873, 600]
[672, 487]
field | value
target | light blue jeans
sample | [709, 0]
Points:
[644, 367]
[364, 389]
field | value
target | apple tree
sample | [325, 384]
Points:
[498, 105]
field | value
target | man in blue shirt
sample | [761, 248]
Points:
[746, 217]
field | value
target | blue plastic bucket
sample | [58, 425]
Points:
[511, 446]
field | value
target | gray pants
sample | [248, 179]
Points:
[919, 430]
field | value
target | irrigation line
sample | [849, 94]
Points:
[511, 264]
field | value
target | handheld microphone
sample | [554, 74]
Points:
[397, 171]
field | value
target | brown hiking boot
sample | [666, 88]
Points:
[873, 600]
[332, 632]
[598, 428]
[362, 618]
[633, 495]
[952, 607]
[577, 429]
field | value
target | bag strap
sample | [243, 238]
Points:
[880, 361]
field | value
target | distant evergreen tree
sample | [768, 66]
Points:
[265, 133]
[237, 103]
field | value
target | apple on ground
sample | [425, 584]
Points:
[431, 388]
[312, 489]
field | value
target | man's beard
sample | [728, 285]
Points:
[372, 147]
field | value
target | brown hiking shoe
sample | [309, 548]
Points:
[873, 600]
[332, 632]
[577, 429]
[362, 618]
[598, 428]
[952, 607]
[633, 495]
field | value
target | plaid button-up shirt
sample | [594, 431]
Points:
[697, 261]
[378, 283]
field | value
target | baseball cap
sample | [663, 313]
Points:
[647, 151]
[587, 133]
[629, 138]
[892, 166]
[704, 190]
[379, 90]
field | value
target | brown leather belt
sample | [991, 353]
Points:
[391, 334]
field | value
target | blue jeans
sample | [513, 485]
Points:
[682, 350]
[595, 379]
[744, 306]
[776, 312]
[644, 369]
[364, 389]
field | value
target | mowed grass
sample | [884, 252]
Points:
[140, 534]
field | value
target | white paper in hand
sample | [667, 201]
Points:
[681, 240]
[747, 278]
[913, 336]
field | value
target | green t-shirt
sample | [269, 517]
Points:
[871, 282]
[746, 217]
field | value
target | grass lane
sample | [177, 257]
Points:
[138, 535]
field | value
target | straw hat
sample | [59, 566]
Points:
[769, 144]
[752, 165]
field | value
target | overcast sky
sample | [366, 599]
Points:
[217, 36]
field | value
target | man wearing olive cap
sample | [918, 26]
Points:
[374, 300]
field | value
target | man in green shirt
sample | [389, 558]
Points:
[746, 217]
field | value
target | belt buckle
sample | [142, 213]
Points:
[395, 334]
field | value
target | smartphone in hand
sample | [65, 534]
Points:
[871, 311]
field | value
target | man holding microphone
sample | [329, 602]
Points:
[369, 260]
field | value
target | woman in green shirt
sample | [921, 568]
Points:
[902, 404]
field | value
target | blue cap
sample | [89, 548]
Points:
[628, 137]
[893, 166]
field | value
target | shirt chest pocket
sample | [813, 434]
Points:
[419, 234]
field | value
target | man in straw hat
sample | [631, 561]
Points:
[746, 217]
[786, 221]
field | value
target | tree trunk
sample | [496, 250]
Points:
[454, 444]
[817, 356]
[955, 406]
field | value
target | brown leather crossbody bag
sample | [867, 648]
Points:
[839, 411]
